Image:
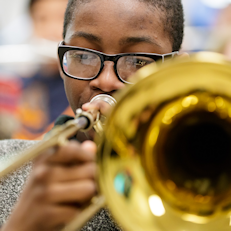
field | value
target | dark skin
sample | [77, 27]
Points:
[63, 179]
[115, 30]
[135, 28]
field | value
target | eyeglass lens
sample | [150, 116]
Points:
[128, 65]
[86, 65]
[81, 64]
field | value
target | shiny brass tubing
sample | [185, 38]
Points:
[81, 219]
[57, 137]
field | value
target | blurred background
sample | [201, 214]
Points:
[31, 91]
[32, 94]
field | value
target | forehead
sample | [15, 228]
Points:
[114, 20]
[50, 6]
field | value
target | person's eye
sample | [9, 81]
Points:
[87, 56]
[142, 62]
[138, 62]
[78, 56]
[91, 56]
[83, 57]
[74, 55]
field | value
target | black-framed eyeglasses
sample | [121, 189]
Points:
[86, 64]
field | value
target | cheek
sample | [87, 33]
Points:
[77, 92]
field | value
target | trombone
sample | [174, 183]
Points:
[59, 135]
[165, 152]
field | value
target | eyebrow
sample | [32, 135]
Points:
[88, 36]
[122, 42]
[132, 40]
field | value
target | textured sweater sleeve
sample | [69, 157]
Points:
[12, 185]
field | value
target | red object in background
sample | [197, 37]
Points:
[10, 92]
[28, 119]
[25, 134]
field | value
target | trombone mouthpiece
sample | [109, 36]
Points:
[106, 98]
[101, 118]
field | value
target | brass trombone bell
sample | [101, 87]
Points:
[165, 156]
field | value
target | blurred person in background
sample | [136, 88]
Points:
[43, 97]
[10, 92]
[47, 18]
[220, 39]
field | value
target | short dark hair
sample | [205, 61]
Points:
[31, 4]
[173, 18]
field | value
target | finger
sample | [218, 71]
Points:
[89, 146]
[78, 192]
[56, 173]
[65, 214]
[73, 153]
[43, 156]
[55, 216]
[42, 217]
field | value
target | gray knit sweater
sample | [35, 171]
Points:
[12, 185]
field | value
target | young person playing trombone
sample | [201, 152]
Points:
[104, 42]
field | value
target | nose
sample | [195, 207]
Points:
[107, 81]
